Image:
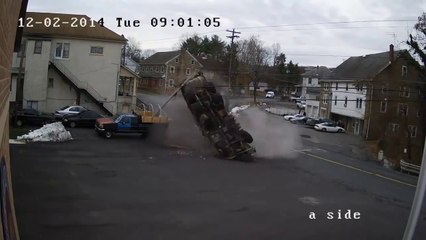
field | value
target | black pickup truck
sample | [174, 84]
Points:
[130, 123]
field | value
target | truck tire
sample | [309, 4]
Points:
[189, 95]
[108, 134]
[73, 124]
[246, 136]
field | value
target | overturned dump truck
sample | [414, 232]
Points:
[208, 110]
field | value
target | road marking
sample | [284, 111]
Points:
[357, 169]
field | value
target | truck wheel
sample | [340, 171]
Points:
[108, 134]
[19, 123]
[73, 124]
[246, 136]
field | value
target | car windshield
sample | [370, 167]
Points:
[63, 108]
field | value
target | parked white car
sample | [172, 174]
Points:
[289, 117]
[69, 110]
[270, 94]
[329, 127]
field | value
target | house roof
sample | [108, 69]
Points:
[212, 64]
[363, 67]
[97, 32]
[319, 72]
[161, 57]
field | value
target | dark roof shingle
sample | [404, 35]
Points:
[161, 57]
[363, 67]
[66, 31]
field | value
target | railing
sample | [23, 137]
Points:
[409, 167]
[80, 84]
[83, 85]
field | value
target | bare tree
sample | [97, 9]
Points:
[133, 50]
[252, 52]
[147, 53]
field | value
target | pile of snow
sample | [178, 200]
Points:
[53, 132]
[237, 109]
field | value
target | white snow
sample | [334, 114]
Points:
[237, 109]
[53, 132]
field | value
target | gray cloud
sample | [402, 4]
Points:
[319, 44]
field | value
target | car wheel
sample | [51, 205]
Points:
[108, 134]
[339, 130]
[73, 124]
[19, 123]
[324, 130]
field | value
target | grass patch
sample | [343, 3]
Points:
[16, 131]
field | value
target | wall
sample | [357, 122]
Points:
[9, 13]
[35, 80]
[351, 94]
[99, 71]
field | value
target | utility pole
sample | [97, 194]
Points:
[234, 35]
[256, 78]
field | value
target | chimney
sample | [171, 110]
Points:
[391, 53]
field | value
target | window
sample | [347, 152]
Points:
[38, 46]
[97, 50]
[383, 106]
[62, 50]
[347, 86]
[172, 69]
[404, 71]
[402, 109]
[171, 83]
[151, 69]
[359, 103]
[50, 83]
[177, 60]
[325, 98]
[405, 92]
[309, 80]
[384, 89]
[359, 87]
[412, 131]
[394, 128]
[337, 86]
[157, 69]
[335, 100]
[143, 69]
[192, 62]
[162, 68]
[160, 83]
[325, 86]
[32, 104]
[188, 71]
[346, 102]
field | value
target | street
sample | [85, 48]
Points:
[302, 184]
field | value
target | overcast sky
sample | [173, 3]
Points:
[310, 32]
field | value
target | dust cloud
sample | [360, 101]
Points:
[182, 130]
[272, 137]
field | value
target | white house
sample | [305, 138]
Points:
[67, 65]
[311, 89]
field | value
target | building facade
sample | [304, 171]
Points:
[68, 66]
[311, 89]
[10, 11]
[378, 97]
[164, 71]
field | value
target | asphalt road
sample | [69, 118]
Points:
[130, 188]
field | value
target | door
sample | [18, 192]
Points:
[356, 127]
[124, 124]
